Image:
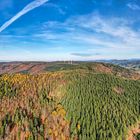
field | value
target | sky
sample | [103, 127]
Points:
[50, 30]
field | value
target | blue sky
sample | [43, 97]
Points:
[46, 30]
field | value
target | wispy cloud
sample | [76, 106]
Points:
[99, 38]
[85, 54]
[112, 32]
[56, 7]
[25, 10]
[99, 34]
[82, 54]
[133, 6]
[120, 29]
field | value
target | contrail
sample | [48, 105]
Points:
[25, 10]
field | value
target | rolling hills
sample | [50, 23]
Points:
[61, 101]
[43, 67]
[133, 64]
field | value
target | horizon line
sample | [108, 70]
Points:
[66, 60]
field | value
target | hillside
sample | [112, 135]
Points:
[133, 64]
[43, 67]
[80, 101]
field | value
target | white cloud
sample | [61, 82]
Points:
[110, 37]
[56, 7]
[133, 6]
[25, 10]
[93, 29]
[121, 29]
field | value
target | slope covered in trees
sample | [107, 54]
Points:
[102, 106]
[95, 102]
[41, 67]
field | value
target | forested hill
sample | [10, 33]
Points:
[43, 67]
[133, 64]
[90, 101]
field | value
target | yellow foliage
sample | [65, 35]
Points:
[78, 126]
[27, 134]
[62, 112]
[50, 132]
[59, 107]
[56, 133]
[62, 137]
[54, 113]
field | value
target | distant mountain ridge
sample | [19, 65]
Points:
[130, 63]
[43, 67]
